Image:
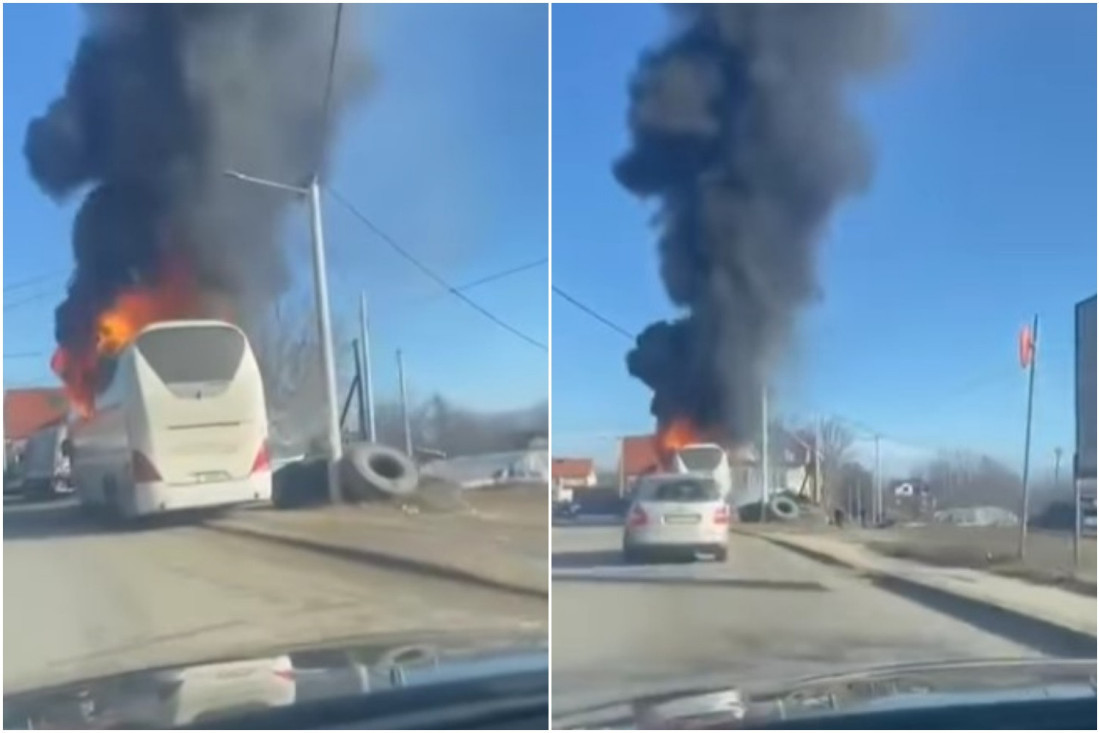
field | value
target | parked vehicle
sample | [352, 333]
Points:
[181, 424]
[45, 466]
[676, 514]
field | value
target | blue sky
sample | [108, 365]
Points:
[448, 156]
[981, 213]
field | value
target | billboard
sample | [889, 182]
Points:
[1085, 388]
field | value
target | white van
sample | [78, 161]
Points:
[45, 466]
[181, 424]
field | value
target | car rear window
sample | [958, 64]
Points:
[685, 490]
[193, 354]
[701, 459]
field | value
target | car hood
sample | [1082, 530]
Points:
[201, 693]
[916, 686]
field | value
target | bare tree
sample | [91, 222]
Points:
[967, 479]
[836, 440]
[287, 348]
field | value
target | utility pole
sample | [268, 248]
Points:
[765, 457]
[876, 504]
[324, 324]
[404, 405]
[367, 384]
[359, 390]
[1056, 469]
[1029, 354]
[324, 321]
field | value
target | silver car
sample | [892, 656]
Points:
[676, 514]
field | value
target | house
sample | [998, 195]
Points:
[573, 473]
[637, 457]
[26, 411]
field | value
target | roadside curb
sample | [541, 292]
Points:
[1069, 635]
[384, 560]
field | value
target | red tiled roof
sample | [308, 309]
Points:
[572, 468]
[26, 411]
[639, 455]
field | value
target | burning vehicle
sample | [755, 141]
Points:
[741, 137]
[161, 101]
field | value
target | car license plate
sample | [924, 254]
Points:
[682, 519]
[207, 477]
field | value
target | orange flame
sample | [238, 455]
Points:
[175, 295]
[676, 434]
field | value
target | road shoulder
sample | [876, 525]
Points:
[1063, 609]
[492, 550]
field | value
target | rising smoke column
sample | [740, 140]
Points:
[160, 100]
[740, 130]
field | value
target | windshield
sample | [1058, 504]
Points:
[282, 270]
[826, 259]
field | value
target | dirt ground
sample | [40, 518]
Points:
[1048, 559]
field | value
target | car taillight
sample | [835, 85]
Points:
[144, 472]
[263, 459]
[638, 517]
[721, 516]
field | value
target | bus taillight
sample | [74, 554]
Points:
[144, 472]
[263, 459]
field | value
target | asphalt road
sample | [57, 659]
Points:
[81, 601]
[766, 613]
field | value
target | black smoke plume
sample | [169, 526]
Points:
[160, 100]
[740, 130]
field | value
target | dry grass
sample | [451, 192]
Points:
[1049, 555]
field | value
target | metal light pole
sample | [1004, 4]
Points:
[818, 491]
[765, 458]
[328, 358]
[1056, 469]
[324, 321]
[368, 380]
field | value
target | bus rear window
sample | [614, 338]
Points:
[701, 459]
[193, 354]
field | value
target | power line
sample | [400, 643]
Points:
[487, 279]
[431, 273]
[34, 280]
[28, 300]
[605, 321]
[26, 355]
[503, 273]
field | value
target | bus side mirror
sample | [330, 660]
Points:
[67, 448]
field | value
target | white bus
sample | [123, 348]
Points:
[181, 424]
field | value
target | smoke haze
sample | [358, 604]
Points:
[740, 130]
[160, 100]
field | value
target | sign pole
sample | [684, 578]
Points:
[1029, 354]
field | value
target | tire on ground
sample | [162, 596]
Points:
[375, 471]
[784, 507]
